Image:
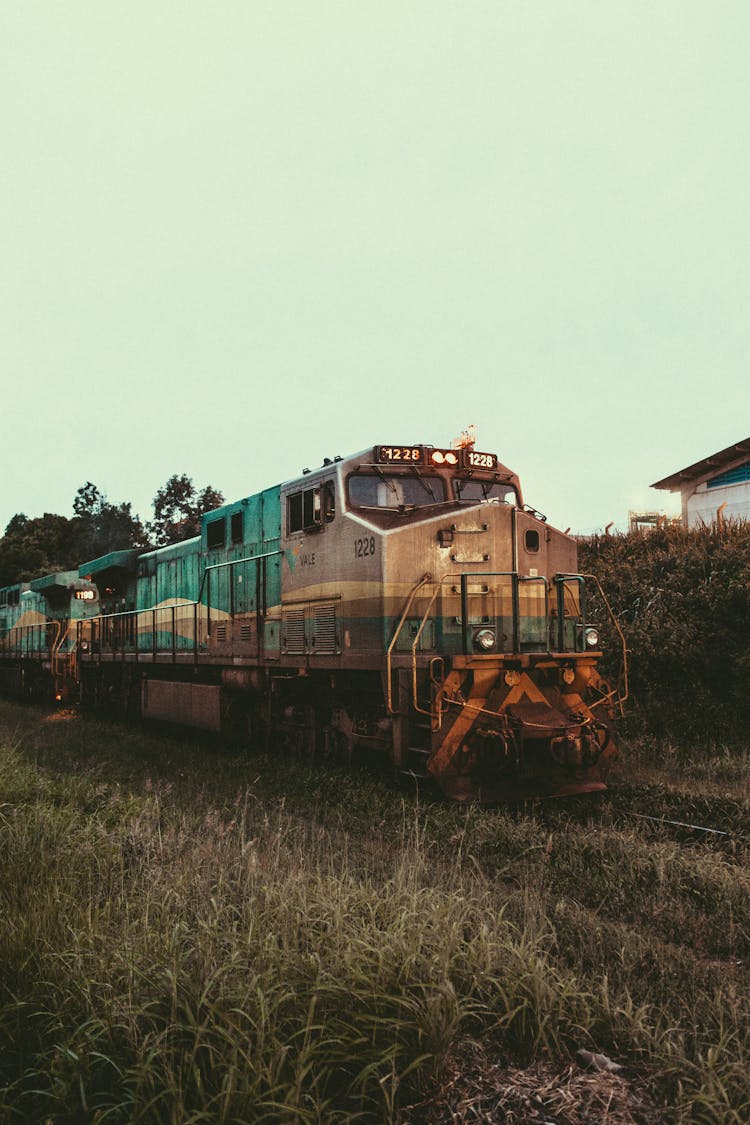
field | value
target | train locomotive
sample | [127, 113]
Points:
[402, 600]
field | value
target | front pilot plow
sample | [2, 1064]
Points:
[508, 733]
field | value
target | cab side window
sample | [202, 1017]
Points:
[303, 510]
[310, 508]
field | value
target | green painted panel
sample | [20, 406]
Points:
[225, 576]
[62, 580]
[121, 560]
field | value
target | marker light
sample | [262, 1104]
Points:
[437, 457]
[451, 458]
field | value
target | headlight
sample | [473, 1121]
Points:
[485, 639]
[591, 636]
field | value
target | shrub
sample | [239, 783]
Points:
[682, 598]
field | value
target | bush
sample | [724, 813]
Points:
[682, 598]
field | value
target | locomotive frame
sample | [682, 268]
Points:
[402, 599]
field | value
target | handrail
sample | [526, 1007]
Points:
[464, 576]
[560, 581]
[133, 612]
[517, 580]
[12, 644]
[233, 562]
[418, 636]
[135, 616]
[389, 689]
[57, 645]
[624, 674]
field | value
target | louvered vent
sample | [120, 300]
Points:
[294, 630]
[324, 629]
[221, 633]
[246, 631]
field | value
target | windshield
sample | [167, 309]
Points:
[478, 490]
[391, 490]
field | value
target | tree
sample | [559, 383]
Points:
[88, 500]
[104, 527]
[178, 509]
[32, 547]
[17, 524]
[48, 543]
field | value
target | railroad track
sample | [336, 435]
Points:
[697, 830]
[691, 818]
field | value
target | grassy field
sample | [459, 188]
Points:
[189, 934]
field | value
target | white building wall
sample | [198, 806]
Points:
[702, 505]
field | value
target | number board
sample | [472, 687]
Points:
[85, 595]
[401, 454]
[474, 460]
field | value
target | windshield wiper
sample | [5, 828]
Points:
[386, 479]
[397, 509]
[424, 481]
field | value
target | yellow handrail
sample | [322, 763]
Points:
[615, 622]
[389, 687]
[417, 638]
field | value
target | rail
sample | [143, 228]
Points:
[231, 564]
[17, 640]
[389, 651]
[96, 635]
[435, 716]
[623, 695]
[529, 632]
[56, 651]
[106, 635]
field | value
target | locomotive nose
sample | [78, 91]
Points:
[516, 737]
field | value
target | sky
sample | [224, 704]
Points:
[236, 238]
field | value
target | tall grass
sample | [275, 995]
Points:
[193, 936]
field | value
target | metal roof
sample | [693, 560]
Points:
[62, 580]
[122, 560]
[706, 468]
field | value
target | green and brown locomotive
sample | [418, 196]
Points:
[402, 600]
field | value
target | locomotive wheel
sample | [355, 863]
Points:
[338, 748]
[258, 727]
[296, 733]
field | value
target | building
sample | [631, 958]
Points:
[716, 488]
[647, 521]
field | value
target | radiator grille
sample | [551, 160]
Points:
[324, 629]
[293, 631]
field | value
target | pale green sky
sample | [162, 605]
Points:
[238, 237]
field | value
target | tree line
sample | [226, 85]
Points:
[45, 544]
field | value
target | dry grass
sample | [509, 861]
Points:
[476, 1089]
[190, 935]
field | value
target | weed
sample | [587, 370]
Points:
[189, 935]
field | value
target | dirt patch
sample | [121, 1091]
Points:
[474, 1089]
[63, 715]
